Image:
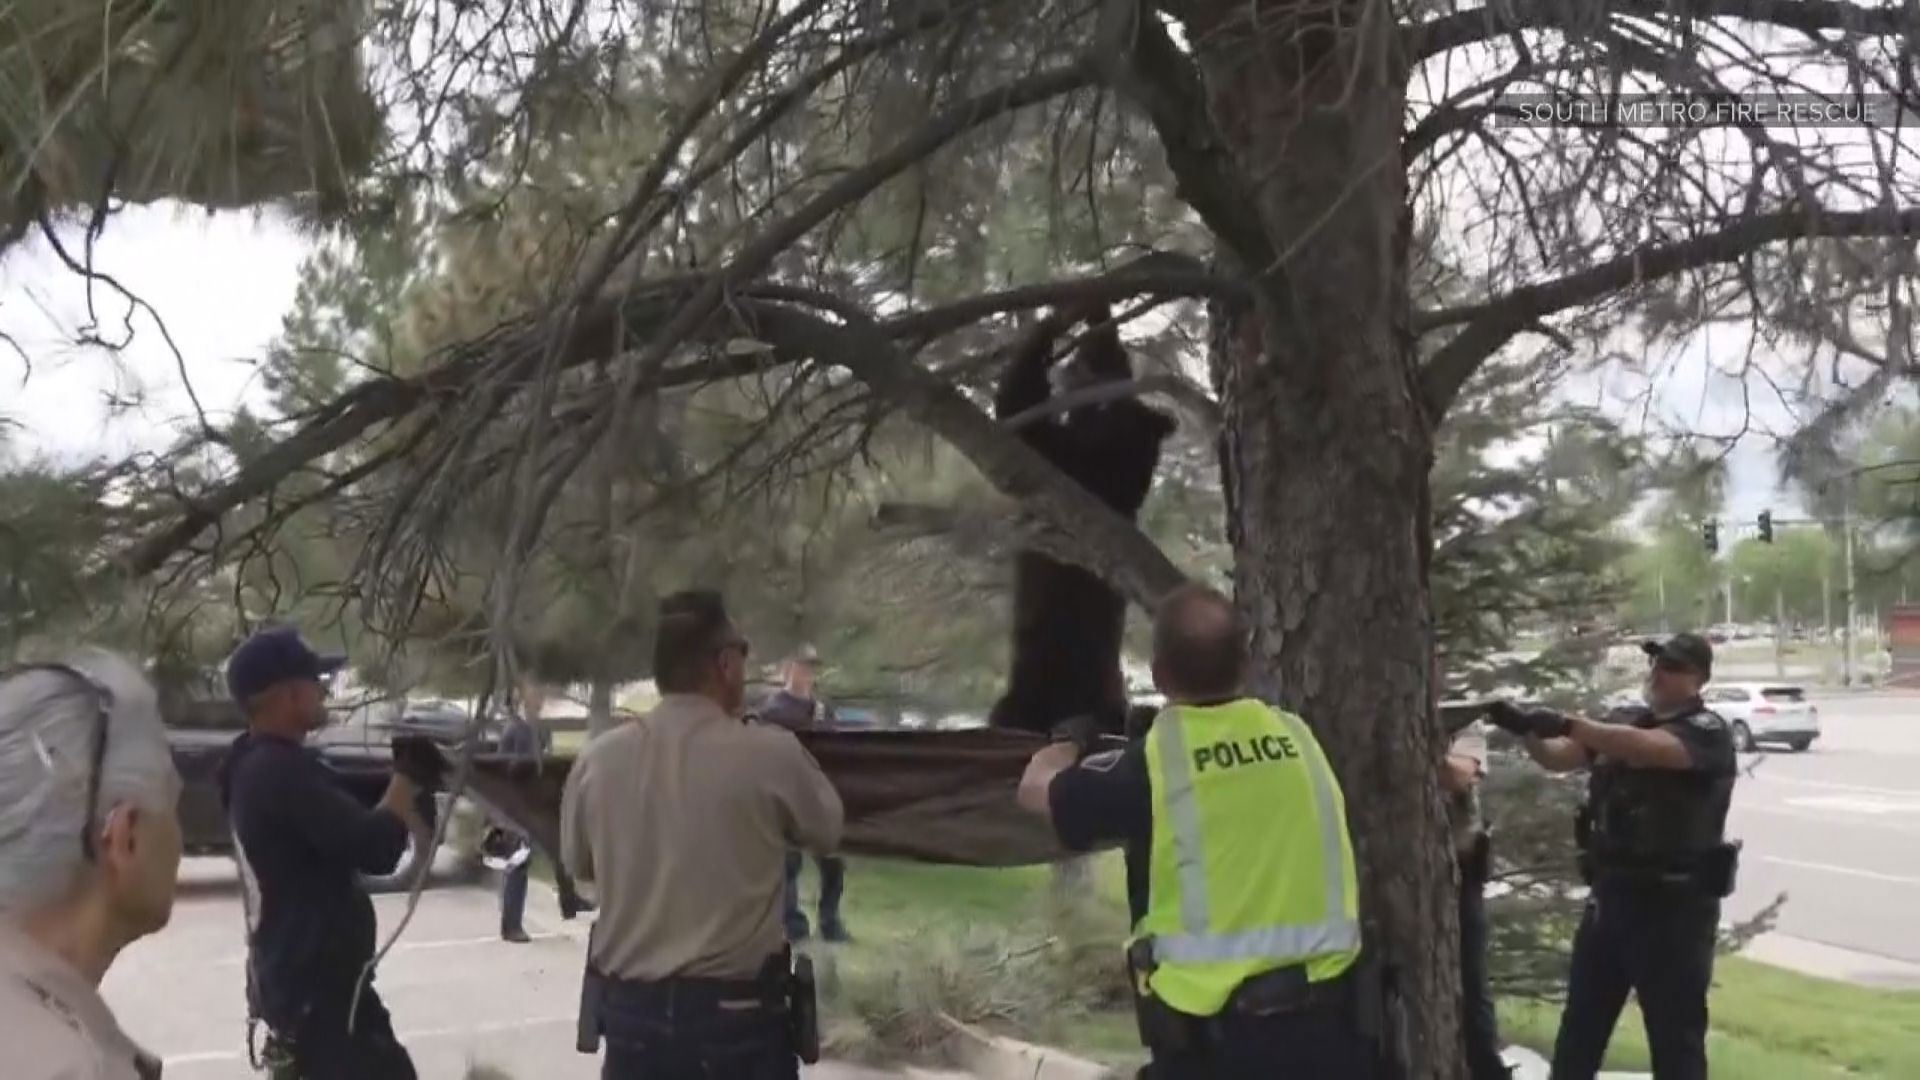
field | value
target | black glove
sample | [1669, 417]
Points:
[1507, 717]
[1540, 723]
[1082, 731]
[1548, 724]
[419, 760]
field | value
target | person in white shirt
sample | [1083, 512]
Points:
[1462, 771]
[89, 849]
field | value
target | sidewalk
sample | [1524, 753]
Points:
[1531, 1066]
[1833, 962]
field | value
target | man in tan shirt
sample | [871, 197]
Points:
[682, 820]
[89, 847]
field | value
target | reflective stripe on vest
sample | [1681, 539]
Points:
[1239, 952]
[1197, 942]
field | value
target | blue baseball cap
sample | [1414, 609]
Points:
[271, 657]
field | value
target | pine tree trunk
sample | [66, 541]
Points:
[1327, 453]
[599, 706]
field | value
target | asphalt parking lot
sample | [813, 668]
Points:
[459, 996]
[1837, 829]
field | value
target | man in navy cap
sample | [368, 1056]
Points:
[301, 841]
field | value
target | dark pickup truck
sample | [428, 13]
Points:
[202, 731]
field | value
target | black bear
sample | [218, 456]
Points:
[1067, 622]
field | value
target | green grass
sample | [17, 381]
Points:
[931, 921]
[1768, 1023]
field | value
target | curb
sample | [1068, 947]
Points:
[995, 1057]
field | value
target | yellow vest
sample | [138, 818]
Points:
[1251, 868]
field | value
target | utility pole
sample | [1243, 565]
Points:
[1826, 597]
[1662, 579]
[1779, 627]
[1729, 600]
[1846, 635]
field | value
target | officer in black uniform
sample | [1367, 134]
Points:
[1653, 849]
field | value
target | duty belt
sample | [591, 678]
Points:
[769, 987]
[1165, 1029]
[1712, 871]
[785, 984]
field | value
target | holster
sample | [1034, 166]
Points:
[593, 995]
[1163, 1029]
[1719, 870]
[803, 1010]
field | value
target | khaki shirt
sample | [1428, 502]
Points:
[55, 1025]
[682, 820]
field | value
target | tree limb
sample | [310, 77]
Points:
[1811, 17]
[1181, 390]
[601, 333]
[1142, 62]
[1095, 537]
[1489, 326]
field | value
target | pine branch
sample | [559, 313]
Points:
[1143, 63]
[1491, 21]
[1488, 326]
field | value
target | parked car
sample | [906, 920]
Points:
[200, 732]
[1763, 712]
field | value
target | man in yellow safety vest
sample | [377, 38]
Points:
[1240, 872]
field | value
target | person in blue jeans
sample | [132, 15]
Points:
[797, 707]
[521, 738]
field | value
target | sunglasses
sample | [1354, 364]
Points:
[103, 711]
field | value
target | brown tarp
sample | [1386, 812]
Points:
[928, 796]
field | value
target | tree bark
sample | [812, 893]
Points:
[1326, 452]
[599, 706]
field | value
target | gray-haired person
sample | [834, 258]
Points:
[89, 850]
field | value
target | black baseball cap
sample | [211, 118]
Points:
[271, 657]
[1688, 650]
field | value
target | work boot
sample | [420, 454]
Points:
[835, 931]
[798, 929]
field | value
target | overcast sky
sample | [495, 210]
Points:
[222, 282]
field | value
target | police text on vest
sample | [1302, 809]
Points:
[1225, 755]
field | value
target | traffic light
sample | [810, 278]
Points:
[1766, 526]
[1710, 535]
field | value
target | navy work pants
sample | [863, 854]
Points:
[681, 1032]
[1656, 941]
[325, 1049]
[1311, 1043]
[1481, 1025]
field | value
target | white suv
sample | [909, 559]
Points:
[1761, 712]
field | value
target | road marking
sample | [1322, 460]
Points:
[421, 946]
[404, 1036]
[1847, 870]
[1860, 789]
[1853, 804]
[1828, 819]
